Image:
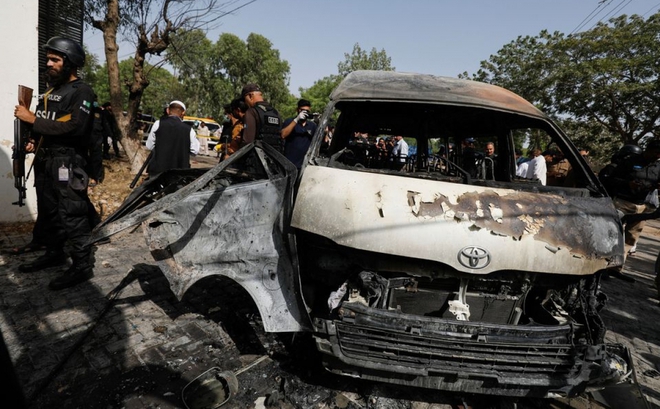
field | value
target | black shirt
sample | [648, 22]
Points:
[65, 116]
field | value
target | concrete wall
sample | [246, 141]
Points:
[19, 31]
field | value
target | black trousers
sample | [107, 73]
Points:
[65, 211]
[96, 150]
[106, 145]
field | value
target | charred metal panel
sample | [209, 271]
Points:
[230, 233]
[205, 229]
[444, 222]
[401, 86]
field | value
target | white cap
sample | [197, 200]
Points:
[179, 103]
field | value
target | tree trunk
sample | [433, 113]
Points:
[148, 43]
[128, 141]
[109, 26]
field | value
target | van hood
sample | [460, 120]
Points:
[474, 229]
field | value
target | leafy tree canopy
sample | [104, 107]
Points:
[163, 89]
[213, 74]
[601, 83]
[319, 93]
[361, 60]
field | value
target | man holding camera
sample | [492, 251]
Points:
[297, 133]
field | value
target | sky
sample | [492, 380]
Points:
[439, 37]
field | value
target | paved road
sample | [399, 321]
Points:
[122, 340]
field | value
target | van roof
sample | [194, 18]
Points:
[401, 86]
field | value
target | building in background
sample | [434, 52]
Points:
[27, 25]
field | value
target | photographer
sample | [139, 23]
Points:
[297, 133]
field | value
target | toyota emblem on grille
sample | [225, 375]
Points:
[474, 257]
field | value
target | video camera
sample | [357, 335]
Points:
[312, 116]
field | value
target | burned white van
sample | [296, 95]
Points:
[437, 267]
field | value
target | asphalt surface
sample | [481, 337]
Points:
[123, 340]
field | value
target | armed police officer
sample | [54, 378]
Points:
[262, 121]
[61, 127]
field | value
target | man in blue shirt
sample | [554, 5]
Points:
[297, 133]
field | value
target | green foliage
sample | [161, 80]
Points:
[163, 86]
[611, 77]
[605, 80]
[89, 72]
[213, 74]
[601, 143]
[191, 54]
[319, 93]
[361, 60]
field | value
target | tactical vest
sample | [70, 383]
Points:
[270, 126]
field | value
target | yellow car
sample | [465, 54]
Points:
[214, 132]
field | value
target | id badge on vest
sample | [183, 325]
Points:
[63, 174]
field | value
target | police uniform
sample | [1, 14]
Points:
[95, 168]
[262, 122]
[63, 124]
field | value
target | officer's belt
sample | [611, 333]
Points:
[54, 151]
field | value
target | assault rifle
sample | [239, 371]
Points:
[142, 168]
[21, 136]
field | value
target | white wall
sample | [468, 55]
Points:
[19, 31]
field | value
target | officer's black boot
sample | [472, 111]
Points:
[79, 272]
[52, 258]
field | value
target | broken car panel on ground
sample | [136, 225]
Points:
[437, 272]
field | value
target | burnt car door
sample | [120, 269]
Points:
[228, 221]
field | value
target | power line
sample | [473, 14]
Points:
[616, 9]
[602, 5]
[651, 9]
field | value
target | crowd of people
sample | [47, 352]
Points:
[632, 180]
[249, 117]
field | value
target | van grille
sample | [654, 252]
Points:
[450, 355]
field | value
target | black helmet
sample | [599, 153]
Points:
[626, 151]
[629, 150]
[69, 48]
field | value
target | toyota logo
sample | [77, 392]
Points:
[474, 257]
